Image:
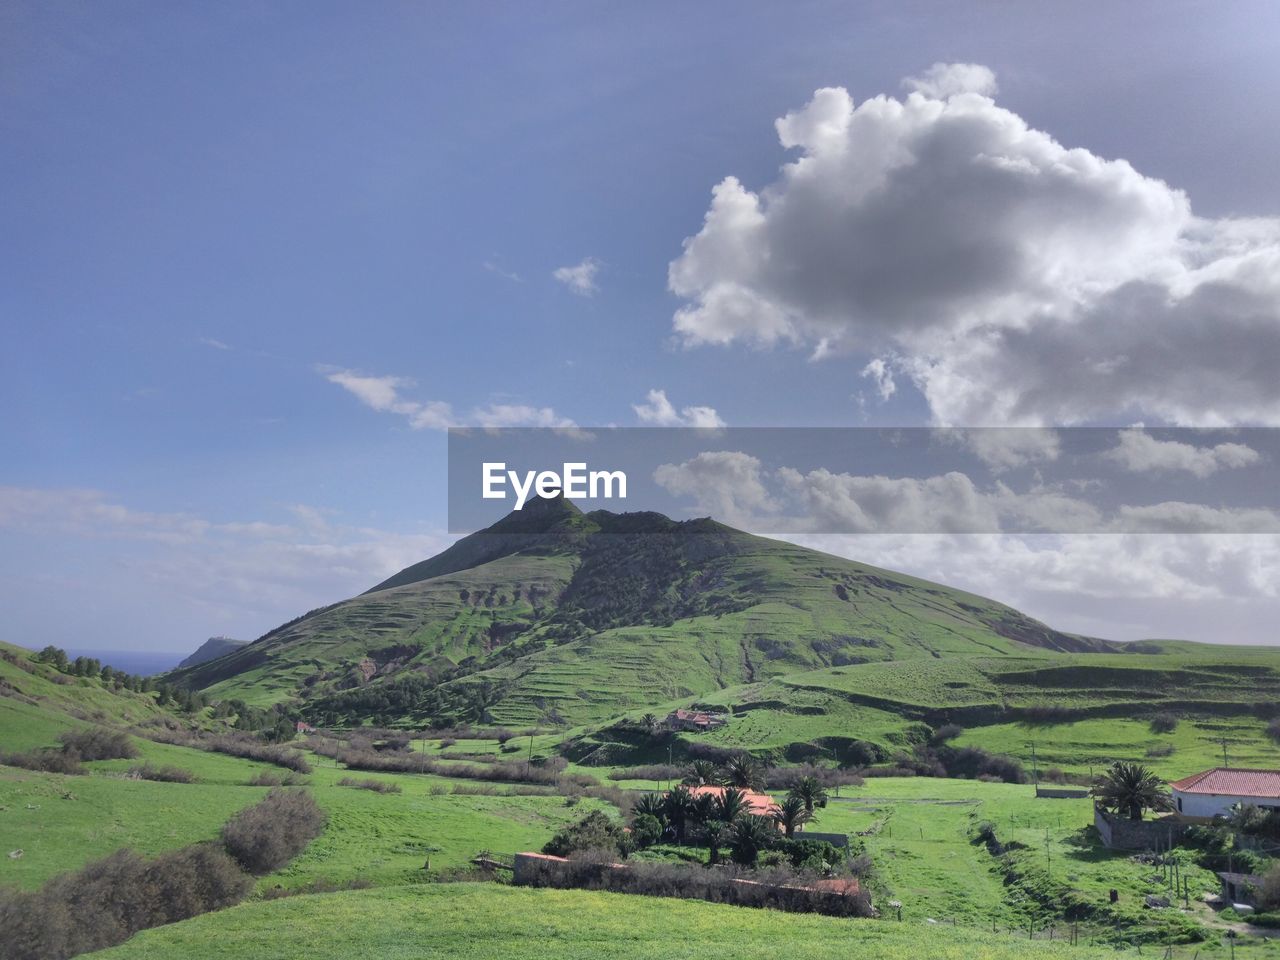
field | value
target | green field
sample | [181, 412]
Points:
[488, 921]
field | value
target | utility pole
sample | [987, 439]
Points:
[1035, 767]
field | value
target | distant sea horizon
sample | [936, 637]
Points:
[142, 663]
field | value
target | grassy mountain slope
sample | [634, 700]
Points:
[870, 711]
[37, 702]
[587, 615]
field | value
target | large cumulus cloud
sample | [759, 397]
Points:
[1013, 279]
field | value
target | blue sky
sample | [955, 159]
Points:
[212, 209]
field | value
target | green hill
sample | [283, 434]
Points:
[552, 612]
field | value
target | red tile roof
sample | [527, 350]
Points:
[1234, 782]
[758, 804]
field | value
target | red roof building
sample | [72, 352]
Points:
[758, 804]
[1214, 792]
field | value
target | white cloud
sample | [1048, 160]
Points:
[580, 278]
[216, 344]
[203, 574]
[943, 80]
[725, 484]
[497, 269]
[879, 371]
[658, 411]
[1139, 452]
[1002, 448]
[1015, 280]
[383, 393]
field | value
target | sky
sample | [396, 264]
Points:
[257, 257]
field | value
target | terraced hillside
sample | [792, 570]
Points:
[551, 612]
[1079, 708]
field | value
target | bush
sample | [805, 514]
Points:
[1164, 723]
[946, 732]
[1269, 890]
[549, 771]
[234, 745]
[1273, 730]
[46, 760]
[109, 900]
[595, 831]
[1160, 750]
[99, 743]
[267, 835]
[269, 778]
[653, 771]
[146, 771]
[377, 786]
[646, 830]
[778, 888]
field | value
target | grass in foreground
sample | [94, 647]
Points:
[483, 921]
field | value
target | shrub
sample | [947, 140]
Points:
[109, 900]
[946, 732]
[653, 771]
[234, 745]
[595, 831]
[267, 835]
[1164, 722]
[1269, 890]
[776, 888]
[549, 772]
[1273, 730]
[146, 771]
[46, 760]
[99, 743]
[1160, 750]
[269, 778]
[377, 786]
[646, 830]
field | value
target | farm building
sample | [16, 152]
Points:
[758, 804]
[1214, 792]
[696, 720]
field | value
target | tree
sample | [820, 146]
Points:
[1269, 891]
[646, 830]
[650, 804]
[704, 809]
[702, 773]
[1131, 788]
[741, 770]
[730, 805]
[714, 831]
[595, 831]
[748, 836]
[650, 724]
[792, 814]
[678, 805]
[809, 792]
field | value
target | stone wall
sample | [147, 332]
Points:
[1121, 833]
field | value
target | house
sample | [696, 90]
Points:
[758, 804]
[1214, 792]
[303, 727]
[695, 720]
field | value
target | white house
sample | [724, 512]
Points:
[1214, 792]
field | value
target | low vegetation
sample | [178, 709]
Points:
[269, 834]
[377, 786]
[241, 745]
[162, 774]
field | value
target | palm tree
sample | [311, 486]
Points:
[704, 809]
[791, 814]
[749, 836]
[741, 770]
[1130, 788]
[649, 722]
[730, 805]
[651, 804]
[713, 831]
[702, 773]
[809, 792]
[678, 805]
